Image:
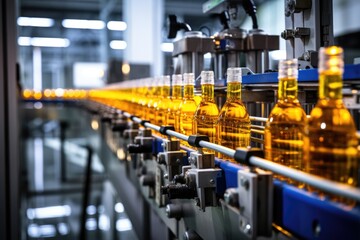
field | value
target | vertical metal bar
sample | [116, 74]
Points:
[86, 193]
[62, 151]
[9, 146]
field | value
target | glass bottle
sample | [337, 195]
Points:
[332, 137]
[234, 121]
[188, 106]
[207, 112]
[285, 127]
[176, 99]
[153, 101]
[144, 98]
[164, 102]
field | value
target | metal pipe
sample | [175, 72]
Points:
[257, 131]
[224, 150]
[315, 181]
[177, 135]
[257, 126]
[152, 126]
[137, 120]
[257, 140]
[126, 114]
[258, 119]
[318, 182]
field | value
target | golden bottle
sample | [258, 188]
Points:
[176, 99]
[285, 127]
[153, 101]
[207, 112]
[145, 98]
[188, 106]
[332, 137]
[234, 121]
[164, 102]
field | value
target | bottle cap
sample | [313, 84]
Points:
[166, 80]
[234, 75]
[156, 82]
[288, 68]
[207, 77]
[189, 79]
[177, 80]
[331, 58]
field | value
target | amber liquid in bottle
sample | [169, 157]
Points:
[163, 103]
[332, 137]
[207, 112]
[285, 127]
[153, 101]
[143, 102]
[188, 107]
[234, 121]
[173, 117]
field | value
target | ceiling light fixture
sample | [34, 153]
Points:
[117, 25]
[118, 44]
[35, 22]
[83, 24]
[43, 42]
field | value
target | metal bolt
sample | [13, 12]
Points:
[316, 228]
[212, 181]
[192, 160]
[231, 197]
[287, 34]
[245, 183]
[167, 210]
[197, 201]
[247, 229]
[178, 161]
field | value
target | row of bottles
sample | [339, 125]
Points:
[229, 127]
[325, 144]
[52, 94]
[150, 99]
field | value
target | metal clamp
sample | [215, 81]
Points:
[164, 128]
[172, 158]
[194, 140]
[205, 180]
[243, 155]
[295, 33]
[143, 143]
[202, 160]
[255, 203]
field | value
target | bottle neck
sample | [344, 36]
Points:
[233, 91]
[165, 91]
[176, 92]
[288, 89]
[330, 86]
[207, 92]
[189, 91]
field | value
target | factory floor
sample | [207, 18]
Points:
[53, 169]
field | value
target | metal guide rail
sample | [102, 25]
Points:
[246, 157]
[303, 214]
